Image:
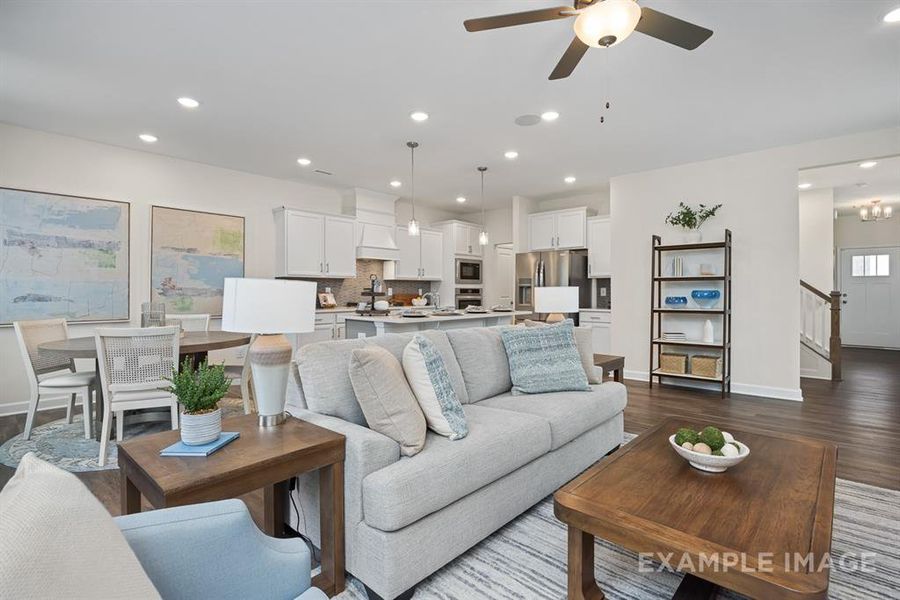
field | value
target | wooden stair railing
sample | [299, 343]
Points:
[821, 315]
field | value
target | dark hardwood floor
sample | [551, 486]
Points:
[860, 414]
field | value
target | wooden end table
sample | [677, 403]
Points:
[778, 502]
[260, 458]
[610, 364]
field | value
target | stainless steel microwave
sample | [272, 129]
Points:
[468, 271]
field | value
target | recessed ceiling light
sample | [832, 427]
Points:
[396, 183]
[188, 102]
[550, 115]
[569, 179]
[511, 154]
[461, 199]
[304, 162]
[419, 116]
[893, 16]
[804, 186]
[148, 138]
[869, 164]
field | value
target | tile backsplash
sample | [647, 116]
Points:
[347, 291]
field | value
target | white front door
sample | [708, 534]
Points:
[870, 284]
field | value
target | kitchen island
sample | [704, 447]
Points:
[366, 326]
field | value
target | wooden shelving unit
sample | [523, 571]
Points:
[658, 312]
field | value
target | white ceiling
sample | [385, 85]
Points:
[854, 186]
[336, 80]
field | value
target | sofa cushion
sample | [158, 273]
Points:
[570, 414]
[427, 375]
[58, 541]
[387, 402]
[324, 372]
[482, 360]
[584, 341]
[544, 359]
[499, 442]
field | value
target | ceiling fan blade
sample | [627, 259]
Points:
[669, 29]
[519, 18]
[569, 59]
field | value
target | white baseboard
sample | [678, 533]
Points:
[746, 389]
[17, 408]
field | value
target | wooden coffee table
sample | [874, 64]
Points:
[779, 501]
[261, 458]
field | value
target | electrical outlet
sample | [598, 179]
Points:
[603, 292]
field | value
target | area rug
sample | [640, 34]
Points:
[63, 444]
[526, 559]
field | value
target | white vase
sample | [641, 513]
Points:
[197, 430]
[692, 236]
[708, 332]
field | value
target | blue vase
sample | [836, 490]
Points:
[706, 298]
[676, 301]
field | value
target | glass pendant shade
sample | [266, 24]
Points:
[607, 23]
[483, 238]
[412, 227]
[888, 212]
[863, 214]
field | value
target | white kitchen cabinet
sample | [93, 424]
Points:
[465, 239]
[314, 245]
[557, 229]
[599, 322]
[419, 256]
[599, 247]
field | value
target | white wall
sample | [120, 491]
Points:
[499, 224]
[816, 215]
[425, 215]
[759, 193]
[52, 163]
[597, 201]
[850, 232]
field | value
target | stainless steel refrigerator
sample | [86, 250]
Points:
[551, 268]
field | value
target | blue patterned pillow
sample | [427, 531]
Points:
[430, 382]
[544, 359]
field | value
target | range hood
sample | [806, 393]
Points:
[375, 225]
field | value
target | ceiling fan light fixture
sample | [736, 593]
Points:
[607, 23]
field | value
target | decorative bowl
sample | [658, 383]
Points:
[709, 462]
[676, 301]
[706, 298]
[419, 301]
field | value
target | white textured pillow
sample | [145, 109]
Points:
[55, 535]
[430, 382]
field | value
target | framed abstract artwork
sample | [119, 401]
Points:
[191, 254]
[63, 256]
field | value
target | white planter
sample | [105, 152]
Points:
[197, 430]
[692, 236]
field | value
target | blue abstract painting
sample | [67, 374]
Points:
[62, 256]
[191, 254]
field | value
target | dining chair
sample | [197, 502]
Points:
[134, 366]
[195, 322]
[53, 376]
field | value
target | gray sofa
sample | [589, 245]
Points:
[407, 517]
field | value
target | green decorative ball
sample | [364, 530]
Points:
[712, 437]
[686, 434]
[718, 453]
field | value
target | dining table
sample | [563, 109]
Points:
[196, 344]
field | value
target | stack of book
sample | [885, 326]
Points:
[674, 336]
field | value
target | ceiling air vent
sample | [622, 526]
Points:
[321, 172]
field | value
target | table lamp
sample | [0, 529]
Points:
[270, 308]
[555, 301]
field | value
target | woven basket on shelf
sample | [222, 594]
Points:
[705, 365]
[673, 362]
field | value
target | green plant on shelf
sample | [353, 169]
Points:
[689, 217]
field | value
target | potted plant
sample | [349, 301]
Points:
[199, 391]
[691, 219]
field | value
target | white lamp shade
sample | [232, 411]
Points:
[268, 306]
[556, 299]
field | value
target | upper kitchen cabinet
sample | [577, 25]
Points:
[557, 229]
[465, 238]
[314, 245]
[419, 258]
[599, 247]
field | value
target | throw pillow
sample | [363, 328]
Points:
[55, 535]
[544, 359]
[385, 398]
[584, 341]
[430, 382]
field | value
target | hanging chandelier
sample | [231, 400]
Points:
[413, 226]
[483, 236]
[873, 211]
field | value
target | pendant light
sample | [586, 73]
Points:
[483, 236]
[413, 226]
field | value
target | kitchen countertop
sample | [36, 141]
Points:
[429, 319]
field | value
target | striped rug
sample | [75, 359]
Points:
[526, 559]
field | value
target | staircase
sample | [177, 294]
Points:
[820, 325]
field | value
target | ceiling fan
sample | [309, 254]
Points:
[601, 24]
